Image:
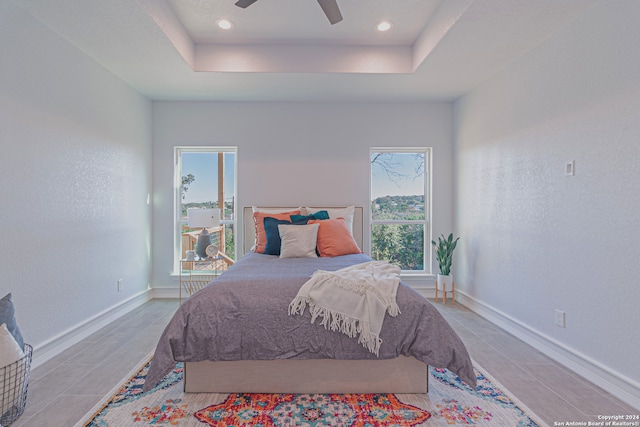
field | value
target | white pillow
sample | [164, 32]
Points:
[10, 352]
[346, 213]
[298, 241]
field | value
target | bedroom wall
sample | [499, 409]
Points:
[75, 174]
[295, 153]
[535, 240]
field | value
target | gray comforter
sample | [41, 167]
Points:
[243, 315]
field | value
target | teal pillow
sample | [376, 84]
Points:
[273, 235]
[321, 215]
[301, 218]
[317, 215]
[7, 315]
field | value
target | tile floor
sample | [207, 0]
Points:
[63, 389]
[549, 389]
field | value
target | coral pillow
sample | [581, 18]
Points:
[261, 234]
[334, 238]
[333, 213]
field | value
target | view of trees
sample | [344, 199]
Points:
[398, 208]
[400, 244]
[398, 219]
[186, 181]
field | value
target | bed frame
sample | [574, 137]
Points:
[400, 375]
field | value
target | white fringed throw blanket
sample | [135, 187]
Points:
[352, 300]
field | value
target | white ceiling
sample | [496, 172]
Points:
[302, 21]
[286, 50]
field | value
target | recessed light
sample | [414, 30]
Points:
[384, 26]
[225, 24]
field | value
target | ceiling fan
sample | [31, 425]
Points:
[329, 7]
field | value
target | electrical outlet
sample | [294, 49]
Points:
[119, 286]
[560, 318]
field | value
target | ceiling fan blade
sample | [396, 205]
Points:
[245, 3]
[331, 9]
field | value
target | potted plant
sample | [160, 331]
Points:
[444, 255]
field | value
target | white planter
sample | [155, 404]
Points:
[444, 282]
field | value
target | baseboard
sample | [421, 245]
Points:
[61, 342]
[162, 293]
[623, 388]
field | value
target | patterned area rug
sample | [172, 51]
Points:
[449, 402]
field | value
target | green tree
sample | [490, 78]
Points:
[412, 242]
[387, 242]
[186, 181]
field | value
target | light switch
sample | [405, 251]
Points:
[570, 168]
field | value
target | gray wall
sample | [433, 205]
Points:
[533, 240]
[295, 154]
[75, 174]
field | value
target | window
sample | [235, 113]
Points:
[400, 207]
[205, 177]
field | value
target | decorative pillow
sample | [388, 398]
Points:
[301, 219]
[334, 238]
[273, 235]
[346, 213]
[10, 352]
[7, 315]
[298, 241]
[261, 235]
[317, 215]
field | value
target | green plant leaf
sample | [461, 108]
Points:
[444, 252]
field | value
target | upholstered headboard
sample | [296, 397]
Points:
[250, 232]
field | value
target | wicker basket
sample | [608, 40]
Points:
[14, 381]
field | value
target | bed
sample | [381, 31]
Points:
[236, 335]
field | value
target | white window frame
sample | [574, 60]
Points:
[427, 223]
[178, 222]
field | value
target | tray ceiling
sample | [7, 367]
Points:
[286, 50]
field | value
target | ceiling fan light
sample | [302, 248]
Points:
[384, 26]
[224, 24]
